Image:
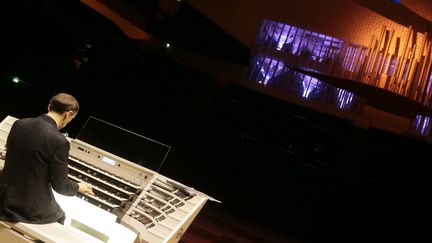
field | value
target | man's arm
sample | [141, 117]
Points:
[58, 171]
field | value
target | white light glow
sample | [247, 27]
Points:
[108, 160]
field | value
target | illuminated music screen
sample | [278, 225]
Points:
[134, 147]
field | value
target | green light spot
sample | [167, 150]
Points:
[16, 80]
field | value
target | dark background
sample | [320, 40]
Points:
[301, 172]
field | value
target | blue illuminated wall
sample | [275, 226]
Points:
[282, 55]
[282, 45]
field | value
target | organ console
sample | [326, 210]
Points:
[131, 203]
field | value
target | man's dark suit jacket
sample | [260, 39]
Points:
[36, 160]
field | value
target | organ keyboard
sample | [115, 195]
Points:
[131, 203]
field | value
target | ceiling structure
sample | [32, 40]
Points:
[223, 41]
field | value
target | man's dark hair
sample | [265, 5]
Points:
[63, 102]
